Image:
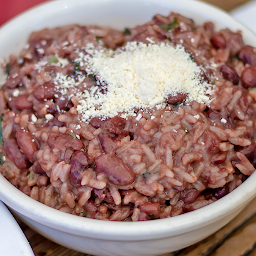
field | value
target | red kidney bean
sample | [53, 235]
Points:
[63, 141]
[219, 158]
[179, 97]
[75, 172]
[45, 91]
[96, 122]
[249, 77]
[81, 157]
[13, 153]
[150, 208]
[22, 102]
[216, 116]
[64, 103]
[12, 103]
[229, 73]
[190, 196]
[218, 41]
[212, 142]
[247, 55]
[115, 169]
[116, 125]
[79, 163]
[27, 144]
[37, 168]
[220, 192]
[13, 81]
[107, 143]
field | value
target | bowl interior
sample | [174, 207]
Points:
[117, 14]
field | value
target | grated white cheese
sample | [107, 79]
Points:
[223, 120]
[139, 117]
[40, 50]
[16, 93]
[150, 40]
[49, 116]
[63, 62]
[33, 118]
[139, 75]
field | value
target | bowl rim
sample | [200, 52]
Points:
[108, 230]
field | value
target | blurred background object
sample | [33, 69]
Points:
[222, 243]
[11, 8]
[245, 14]
[227, 5]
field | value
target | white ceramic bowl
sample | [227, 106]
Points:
[119, 238]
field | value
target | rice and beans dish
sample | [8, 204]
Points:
[146, 123]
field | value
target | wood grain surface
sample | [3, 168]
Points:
[238, 238]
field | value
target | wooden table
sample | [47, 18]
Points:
[238, 238]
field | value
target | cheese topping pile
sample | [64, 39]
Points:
[139, 76]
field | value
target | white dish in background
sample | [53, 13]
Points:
[100, 237]
[12, 240]
[246, 15]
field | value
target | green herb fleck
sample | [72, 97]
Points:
[175, 105]
[53, 59]
[151, 216]
[146, 174]
[237, 57]
[98, 38]
[31, 176]
[155, 172]
[92, 77]
[1, 130]
[76, 68]
[186, 131]
[191, 57]
[72, 135]
[252, 88]
[1, 158]
[170, 26]
[127, 31]
[8, 69]
[6, 173]
[81, 214]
